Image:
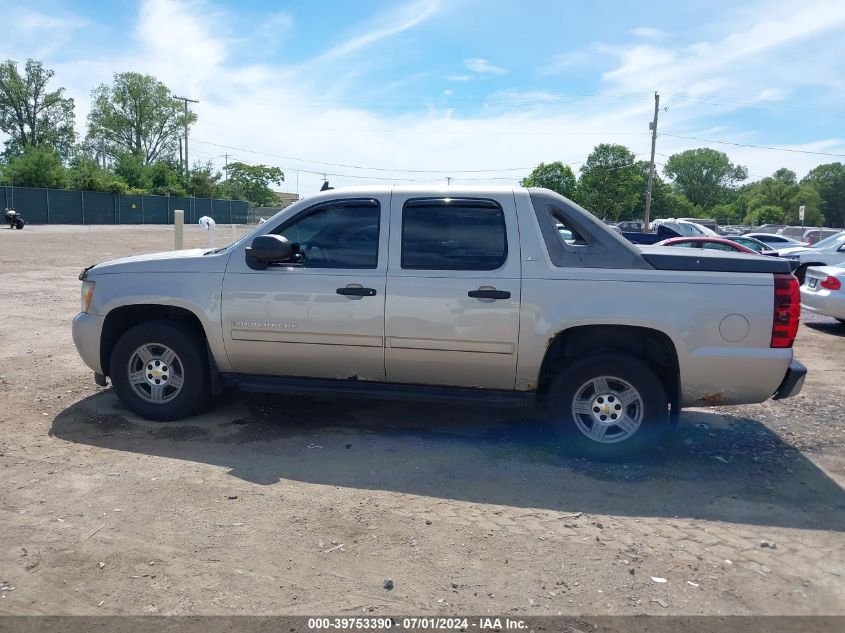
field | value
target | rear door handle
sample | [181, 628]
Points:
[357, 291]
[489, 294]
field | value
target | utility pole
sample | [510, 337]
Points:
[226, 168]
[103, 151]
[653, 127]
[186, 100]
[181, 162]
[448, 181]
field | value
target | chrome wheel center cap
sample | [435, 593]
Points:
[157, 372]
[606, 408]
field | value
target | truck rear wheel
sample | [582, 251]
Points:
[608, 406]
[159, 371]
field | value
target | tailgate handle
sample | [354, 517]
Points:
[489, 294]
[357, 291]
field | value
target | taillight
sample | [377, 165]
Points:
[787, 310]
[831, 283]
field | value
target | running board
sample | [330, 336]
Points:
[378, 390]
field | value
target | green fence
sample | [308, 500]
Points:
[62, 206]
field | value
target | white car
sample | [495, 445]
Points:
[830, 251]
[823, 291]
[775, 241]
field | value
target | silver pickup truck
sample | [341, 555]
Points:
[498, 296]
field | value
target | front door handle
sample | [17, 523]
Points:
[357, 291]
[489, 294]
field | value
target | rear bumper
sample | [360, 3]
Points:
[824, 302]
[792, 382]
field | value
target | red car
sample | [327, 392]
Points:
[712, 243]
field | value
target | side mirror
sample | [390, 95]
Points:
[273, 249]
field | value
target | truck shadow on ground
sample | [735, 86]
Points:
[717, 467]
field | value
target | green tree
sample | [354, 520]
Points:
[765, 214]
[204, 181]
[85, 173]
[705, 176]
[163, 177]
[30, 115]
[129, 168]
[611, 183]
[136, 114]
[665, 201]
[555, 176]
[829, 181]
[252, 183]
[36, 166]
[783, 191]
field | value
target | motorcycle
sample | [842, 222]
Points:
[14, 219]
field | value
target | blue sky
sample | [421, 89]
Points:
[464, 85]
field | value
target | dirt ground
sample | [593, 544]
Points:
[274, 505]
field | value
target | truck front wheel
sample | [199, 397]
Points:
[608, 406]
[159, 371]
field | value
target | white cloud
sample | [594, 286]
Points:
[564, 62]
[295, 112]
[649, 33]
[395, 22]
[483, 67]
[35, 32]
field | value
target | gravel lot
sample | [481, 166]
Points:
[274, 505]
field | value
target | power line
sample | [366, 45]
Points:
[768, 147]
[349, 166]
[544, 132]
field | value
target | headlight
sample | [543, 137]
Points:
[87, 294]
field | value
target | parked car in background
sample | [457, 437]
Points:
[754, 245]
[795, 232]
[768, 228]
[709, 223]
[829, 251]
[710, 243]
[665, 229]
[813, 236]
[823, 291]
[775, 241]
[630, 225]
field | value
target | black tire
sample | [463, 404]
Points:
[19, 224]
[652, 410]
[191, 359]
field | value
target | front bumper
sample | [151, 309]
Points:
[792, 382]
[87, 329]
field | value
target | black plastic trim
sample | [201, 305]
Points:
[489, 294]
[709, 263]
[792, 382]
[602, 247]
[378, 390]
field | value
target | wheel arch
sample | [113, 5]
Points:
[120, 319]
[653, 346]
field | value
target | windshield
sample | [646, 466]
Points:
[833, 240]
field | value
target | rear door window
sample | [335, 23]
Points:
[453, 234]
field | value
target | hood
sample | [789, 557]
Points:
[184, 261]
